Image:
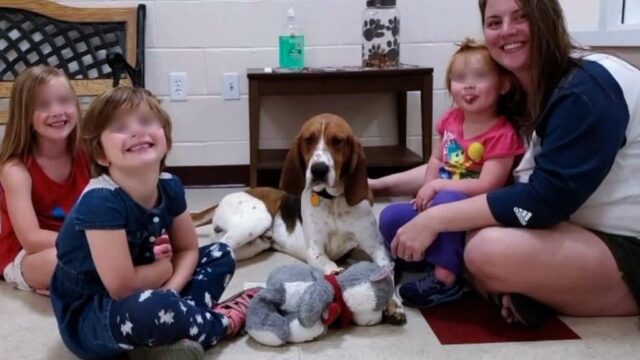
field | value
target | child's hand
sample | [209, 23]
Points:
[162, 248]
[424, 196]
[373, 185]
[162, 252]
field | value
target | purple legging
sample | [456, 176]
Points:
[446, 250]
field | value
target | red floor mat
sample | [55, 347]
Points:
[474, 320]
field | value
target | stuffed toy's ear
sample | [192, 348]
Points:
[314, 301]
[382, 273]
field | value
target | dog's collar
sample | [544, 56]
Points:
[337, 310]
[324, 194]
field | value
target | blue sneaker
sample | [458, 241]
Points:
[413, 266]
[429, 291]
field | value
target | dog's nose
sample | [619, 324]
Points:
[319, 170]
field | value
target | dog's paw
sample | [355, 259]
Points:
[334, 271]
[394, 313]
[332, 268]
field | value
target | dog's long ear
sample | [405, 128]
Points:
[356, 187]
[292, 178]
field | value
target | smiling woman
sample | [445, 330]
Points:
[575, 105]
[568, 217]
[511, 52]
[529, 38]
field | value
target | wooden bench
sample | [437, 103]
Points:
[97, 48]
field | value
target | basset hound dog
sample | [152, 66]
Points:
[322, 211]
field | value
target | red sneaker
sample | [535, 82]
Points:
[235, 309]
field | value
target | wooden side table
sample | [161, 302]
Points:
[352, 80]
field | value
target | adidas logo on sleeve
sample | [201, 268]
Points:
[522, 215]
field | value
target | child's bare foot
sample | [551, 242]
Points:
[505, 310]
[522, 310]
[235, 309]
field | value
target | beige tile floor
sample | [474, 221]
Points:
[28, 329]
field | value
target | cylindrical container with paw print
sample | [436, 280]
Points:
[381, 34]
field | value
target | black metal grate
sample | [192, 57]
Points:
[81, 50]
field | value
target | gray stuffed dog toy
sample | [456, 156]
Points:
[299, 302]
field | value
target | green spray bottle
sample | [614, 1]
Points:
[291, 44]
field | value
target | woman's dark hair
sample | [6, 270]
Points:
[549, 59]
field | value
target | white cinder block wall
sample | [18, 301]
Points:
[210, 37]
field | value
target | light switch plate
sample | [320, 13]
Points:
[230, 86]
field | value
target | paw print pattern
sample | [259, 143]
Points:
[375, 50]
[373, 28]
[393, 54]
[381, 45]
[394, 26]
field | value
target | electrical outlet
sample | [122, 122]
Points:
[230, 87]
[178, 86]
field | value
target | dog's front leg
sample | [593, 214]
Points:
[317, 257]
[314, 225]
[394, 313]
[371, 242]
[378, 254]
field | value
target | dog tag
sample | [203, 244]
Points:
[314, 199]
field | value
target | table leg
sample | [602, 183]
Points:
[401, 115]
[426, 111]
[254, 131]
